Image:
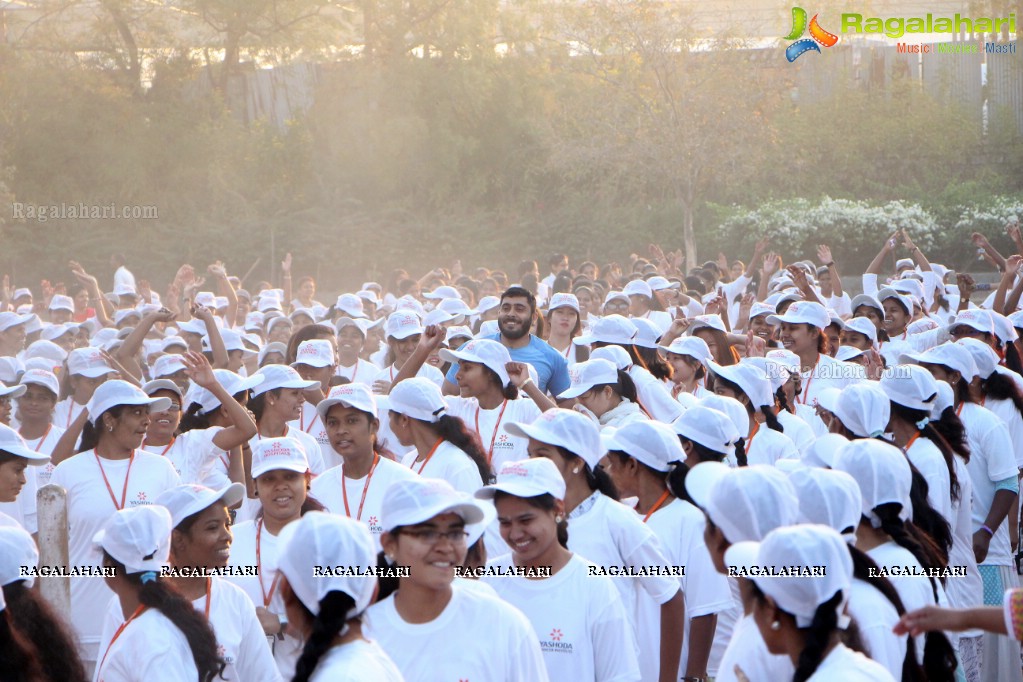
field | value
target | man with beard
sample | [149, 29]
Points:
[517, 310]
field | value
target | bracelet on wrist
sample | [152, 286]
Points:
[987, 529]
[831, 264]
[525, 383]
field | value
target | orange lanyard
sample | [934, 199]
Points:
[497, 426]
[166, 449]
[301, 422]
[267, 596]
[429, 455]
[39, 443]
[657, 505]
[365, 488]
[138, 611]
[70, 413]
[755, 431]
[912, 440]
[127, 475]
[806, 389]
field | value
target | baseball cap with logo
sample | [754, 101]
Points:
[586, 375]
[116, 392]
[41, 377]
[315, 353]
[803, 312]
[709, 427]
[417, 500]
[186, 500]
[271, 454]
[949, 354]
[12, 443]
[418, 398]
[403, 324]
[139, 538]
[281, 376]
[758, 309]
[566, 429]
[17, 549]
[693, 346]
[492, 354]
[319, 539]
[526, 478]
[356, 394]
[564, 300]
[614, 329]
[652, 443]
[976, 318]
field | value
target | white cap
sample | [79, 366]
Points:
[271, 454]
[166, 365]
[609, 329]
[487, 352]
[207, 299]
[476, 530]
[23, 292]
[368, 295]
[439, 317]
[647, 333]
[984, 356]
[272, 347]
[708, 427]
[804, 545]
[487, 303]
[903, 263]
[61, 302]
[17, 549]
[409, 304]
[566, 429]
[254, 321]
[882, 471]
[308, 312]
[183, 501]
[776, 373]
[87, 362]
[122, 315]
[701, 321]
[924, 324]
[821, 452]
[315, 353]
[232, 383]
[138, 537]
[12, 443]
[8, 320]
[488, 328]
[950, 355]
[863, 326]
[785, 358]
[563, 301]
[693, 346]
[616, 354]
[615, 296]
[526, 478]
[268, 303]
[847, 353]
[889, 293]
[322, 539]
[43, 378]
[745, 503]
[1016, 319]
[281, 376]
[911, 386]
[46, 350]
[351, 305]
[10, 368]
[828, 398]
[758, 309]
[977, 318]
[455, 307]
[417, 500]
[171, 341]
[867, 300]
[117, 392]
[652, 443]
[803, 312]
[946, 399]
[864, 409]
[403, 324]
[232, 341]
[750, 379]
[458, 332]
[276, 321]
[220, 302]
[442, 292]
[343, 322]
[419, 399]
[356, 394]
[658, 283]
[637, 287]
[151, 387]
[731, 408]
[55, 331]
[828, 497]
[1004, 330]
[586, 375]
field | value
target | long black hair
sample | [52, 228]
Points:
[326, 625]
[1000, 387]
[91, 431]
[817, 636]
[36, 620]
[914, 416]
[770, 417]
[19, 658]
[596, 478]
[453, 430]
[952, 429]
[157, 594]
[625, 387]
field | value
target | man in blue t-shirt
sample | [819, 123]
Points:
[515, 317]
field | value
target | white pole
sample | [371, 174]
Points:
[53, 545]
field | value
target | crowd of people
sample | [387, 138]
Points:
[733, 471]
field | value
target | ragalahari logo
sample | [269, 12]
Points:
[817, 35]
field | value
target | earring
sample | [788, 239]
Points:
[559, 519]
[776, 625]
[110, 429]
[576, 470]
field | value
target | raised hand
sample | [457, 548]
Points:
[286, 264]
[756, 347]
[198, 369]
[217, 270]
[433, 337]
[978, 240]
[824, 254]
[771, 264]
[518, 372]
[966, 284]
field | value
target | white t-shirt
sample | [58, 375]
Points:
[1010, 416]
[579, 621]
[240, 638]
[965, 591]
[327, 490]
[915, 592]
[679, 527]
[90, 505]
[767, 446]
[991, 459]
[356, 661]
[425, 372]
[476, 637]
[875, 617]
[842, 664]
[23, 508]
[449, 463]
[309, 444]
[151, 647]
[797, 430]
[492, 426]
[363, 372]
[65, 412]
[661, 319]
[927, 458]
[828, 373]
[45, 445]
[243, 553]
[311, 425]
[608, 533]
[747, 652]
[192, 454]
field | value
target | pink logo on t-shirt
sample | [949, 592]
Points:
[556, 635]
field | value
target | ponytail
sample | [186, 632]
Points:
[676, 481]
[35, 619]
[817, 638]
[740, 452]
[950, 427]
[191, 419]
[930, 433]
[1000, 387]
[158, 595]
[453, 430]
[783, 401]
[326, 625]
[596, 478]
[908, 536]
[1012, 358]
[653, 361]
[771, 419]
[926, 518]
